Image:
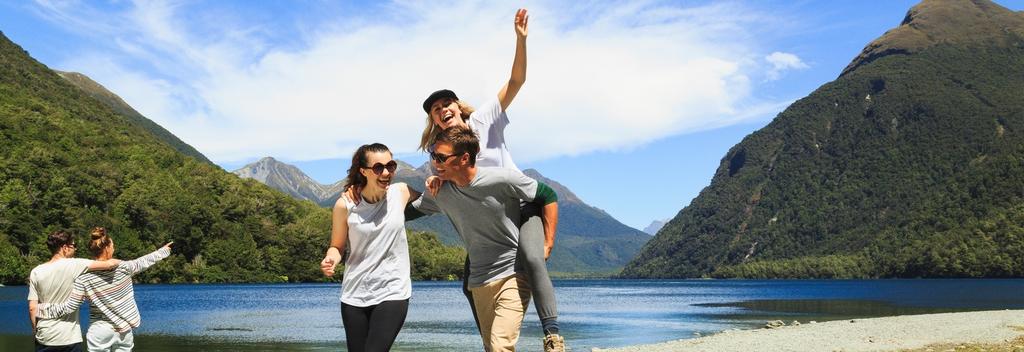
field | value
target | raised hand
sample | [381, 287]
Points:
[522, 21]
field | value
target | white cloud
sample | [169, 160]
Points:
[600, 76]
[783, 61]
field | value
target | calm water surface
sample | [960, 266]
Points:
[592, 313]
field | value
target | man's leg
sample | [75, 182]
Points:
[386, 320]
[484, 299]
[77, 347]
[511, 302]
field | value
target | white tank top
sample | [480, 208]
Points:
[377, 268]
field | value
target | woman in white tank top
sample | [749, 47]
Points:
[376, 285]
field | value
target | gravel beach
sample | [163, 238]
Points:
[875, 334]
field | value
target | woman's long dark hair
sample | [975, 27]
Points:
[356, 178]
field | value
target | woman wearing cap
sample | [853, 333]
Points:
[444, 110]
[376, 285]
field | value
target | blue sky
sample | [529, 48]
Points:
[629, 104]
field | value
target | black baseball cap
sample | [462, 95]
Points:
[435, 96]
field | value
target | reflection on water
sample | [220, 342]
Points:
[592, 313]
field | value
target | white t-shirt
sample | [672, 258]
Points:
[489, 122]
[377, 268]
[52, 283]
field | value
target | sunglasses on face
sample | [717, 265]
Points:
[441, 158]
[378, 168]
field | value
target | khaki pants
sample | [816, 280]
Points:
[501, 305]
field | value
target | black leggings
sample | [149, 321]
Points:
[373, 328]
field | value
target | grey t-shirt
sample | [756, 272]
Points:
[486, 215]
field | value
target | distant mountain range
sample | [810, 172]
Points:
[588, 240]
[907, 165]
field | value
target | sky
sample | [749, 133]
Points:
[630, 104]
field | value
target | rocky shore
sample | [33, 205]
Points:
[1000, 330]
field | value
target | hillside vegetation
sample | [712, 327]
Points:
[71, 161]
[907, 165]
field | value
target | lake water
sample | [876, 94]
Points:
[592, 313]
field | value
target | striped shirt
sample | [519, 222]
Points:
[110, 294]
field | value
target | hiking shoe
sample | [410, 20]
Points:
[554, 343]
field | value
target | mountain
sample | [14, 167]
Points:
[655, 225]
[286, 178]
[589, 240]
[115, 102]
[907, 165]
[290, 179]
[71, 160]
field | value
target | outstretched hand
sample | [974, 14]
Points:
[521, 21]
[168, 245]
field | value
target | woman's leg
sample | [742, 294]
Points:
[357, 323]
[100, 337]
[125, 343]
[531, 258]
[386, 320]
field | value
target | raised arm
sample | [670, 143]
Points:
[339, 237]
[509, 91]
[144, 262]
[69, 306]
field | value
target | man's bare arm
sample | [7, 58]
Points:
[32, 305]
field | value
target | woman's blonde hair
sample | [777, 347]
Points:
[430, 132]
[99, 241]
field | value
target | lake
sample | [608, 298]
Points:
[592, 313]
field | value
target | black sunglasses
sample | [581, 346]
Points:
[441, 158]
[378, 168]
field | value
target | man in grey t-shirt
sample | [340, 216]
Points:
[51, 282]
[483, 205]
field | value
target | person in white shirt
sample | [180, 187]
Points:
[52, 282]
[376, 285]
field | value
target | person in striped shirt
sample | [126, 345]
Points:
[112, 309]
